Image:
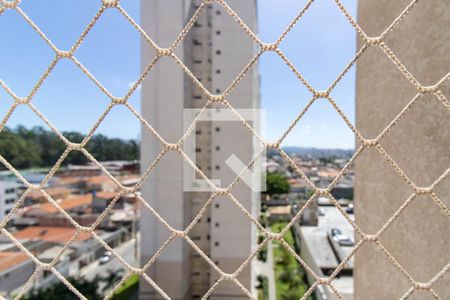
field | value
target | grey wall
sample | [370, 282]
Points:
[420, 143]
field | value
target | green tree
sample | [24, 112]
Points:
[277, 184]
[60, 291]
[38, 147]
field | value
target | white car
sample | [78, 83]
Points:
[341, 238]
[106, 257]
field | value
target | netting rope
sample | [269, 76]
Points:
[177, 147]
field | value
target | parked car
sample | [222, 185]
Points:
[106, 257]
[341, 238]
[349, 209]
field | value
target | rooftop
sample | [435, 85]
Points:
[51, 234]
[67, 203]
[9, 259]
[53, 191]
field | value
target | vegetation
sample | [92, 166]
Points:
[290, 282]
[37, 147]
[263, 287]
[127, 289]
[262, 254]
[91, 289]
[277, 184]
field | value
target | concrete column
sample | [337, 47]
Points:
[419, 144]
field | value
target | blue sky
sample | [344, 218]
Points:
[320, 46]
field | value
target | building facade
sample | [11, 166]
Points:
[216, 49]
[9, 191]
[419, 144]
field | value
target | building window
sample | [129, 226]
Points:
[216, 244]
[197, 61]
[197, 24]
[198, 150]
[217, 167]
[9, 191]
[196, 238]
[46, 273]
[217, 148]
[208, 237]
[217, 205]
[198, 131]
[218, 32]
[208, 220]
[196, 273]
[197, 97]
[218, 12]
[218, 52]
[218, 71]
[218, 91]
[10, 200]
[196, 43]
[217, 224]
[217, 129]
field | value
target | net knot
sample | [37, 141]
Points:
[171, 146]
[269, 47]
[272, 145]
[321, 94]
[274, 236]
[427, 89]
[178, 233]
[370, 142]
[373, 41]
[64, 54]
[116, 100]
[422, 286]
[164, 51]
[216, 98]
[227, 276]
[323, 280]
[10, 4]
[423, 190]
[322, 192]
[24, 100]
[75, 146]
[222, 191]
[370, 238]
[110, 3]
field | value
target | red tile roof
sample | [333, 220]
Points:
[9, 259]
[67, 204]
[50, 234]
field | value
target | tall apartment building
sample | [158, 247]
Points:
[419, 143]
[215, 50]
[9, 190]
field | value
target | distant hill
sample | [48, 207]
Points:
[315, 152]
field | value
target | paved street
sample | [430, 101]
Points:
[126, 250]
